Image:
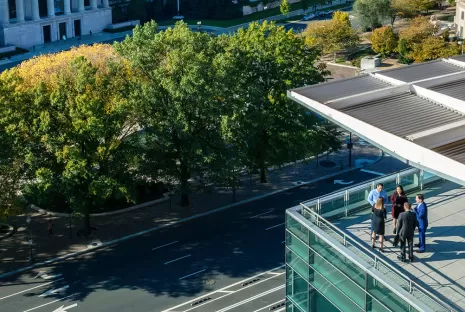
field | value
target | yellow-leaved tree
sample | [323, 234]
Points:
[384, 40]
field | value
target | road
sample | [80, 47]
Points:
[175, 265]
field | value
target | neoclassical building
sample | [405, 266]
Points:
[26, 23]
[460, 18]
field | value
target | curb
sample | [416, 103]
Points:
[203, 214]
[103, 214]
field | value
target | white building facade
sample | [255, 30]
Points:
[26, 23]
[459, 19]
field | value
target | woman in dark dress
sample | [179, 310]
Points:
[398, 199]
[377, 223]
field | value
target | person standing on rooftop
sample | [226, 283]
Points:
[377, 193]
[398, 199]
[422, 216]
[377, 222]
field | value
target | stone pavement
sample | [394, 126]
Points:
[14, 250]
[441, 269]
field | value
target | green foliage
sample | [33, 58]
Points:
[373, 13]
[177, 99]
[332, 35]
[266, 61]
[384, 40]
[74, 126]
[403, 52]
[446, 35]
[284, 7]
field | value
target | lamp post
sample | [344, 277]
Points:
[199, 24]
[69, 218]
[28, 220]
[461, 41]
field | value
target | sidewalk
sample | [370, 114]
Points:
[14, 250]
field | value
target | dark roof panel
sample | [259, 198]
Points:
[402, 114]
[455, 89]
[455, 150]
[334, 90]
[421, 71]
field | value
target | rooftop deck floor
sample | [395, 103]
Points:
[441, 269]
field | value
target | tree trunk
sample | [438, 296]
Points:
[87, 228]
[234, 193]
[317, 160]
[184, 185]
[263, 173]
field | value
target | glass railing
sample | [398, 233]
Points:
[342, 203]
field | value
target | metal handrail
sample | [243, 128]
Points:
[377, 259]
[337, 193]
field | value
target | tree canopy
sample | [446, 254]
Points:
[373, 13]
[70, 115]
[384, 40]
[332, 35]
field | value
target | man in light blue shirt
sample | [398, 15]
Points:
[377, 193]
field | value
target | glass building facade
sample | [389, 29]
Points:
[326, 270]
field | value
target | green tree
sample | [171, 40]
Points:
[373, 13]
[263, 62]
[332, 35]
[403, 52]
[433, 48]
[74, 126]
[284, 7]
[178, 100]
[384, 40]
[419, 30]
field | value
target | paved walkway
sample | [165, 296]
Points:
[14, 251]
[442, 267]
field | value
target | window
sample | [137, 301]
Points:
[461, 14]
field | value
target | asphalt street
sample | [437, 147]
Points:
[177, 266]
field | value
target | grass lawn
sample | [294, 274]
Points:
[118, 30]
[10, 54]
[250, 18]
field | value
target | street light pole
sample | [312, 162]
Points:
[28, 220]
[199, 24]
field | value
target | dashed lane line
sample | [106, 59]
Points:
[261, 214]
[271, 227]
[165, 245]
[183, 257]
[22, 291]
[224, 288]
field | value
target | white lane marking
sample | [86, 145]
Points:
[46, 276]
[20, 292]
[49, 303]
[177, 259]
[251, 299]
[275, 226]
[283, 242]
[261, 214]
[270, 305]
[226, 291]
[226, 287]
[210, 301]
[63, 308]
[275, 273]
[192, 274]
[165, 245]
[373, 172]
[53, 291]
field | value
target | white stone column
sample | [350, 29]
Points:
[81, 7]
[20, 10]
[106, 3]
[50, 8]
[67, 7]
[93, 4]
[4, 12]
[35, 10]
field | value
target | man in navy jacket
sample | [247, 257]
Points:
[422, 216]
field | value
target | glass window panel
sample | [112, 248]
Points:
[296, 228]
[385, 295]
[297, 246]
[358, 198]
[410, 182]
[300, 292]
[339, 280]
[336, 205]
[289, 277]
[389, 188]
[319, 302]
[374, 306]
[296, 263]
[289, 306]
[337, 260]
[333, 294]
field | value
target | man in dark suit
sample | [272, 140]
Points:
[422, 216]
[406, 224]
